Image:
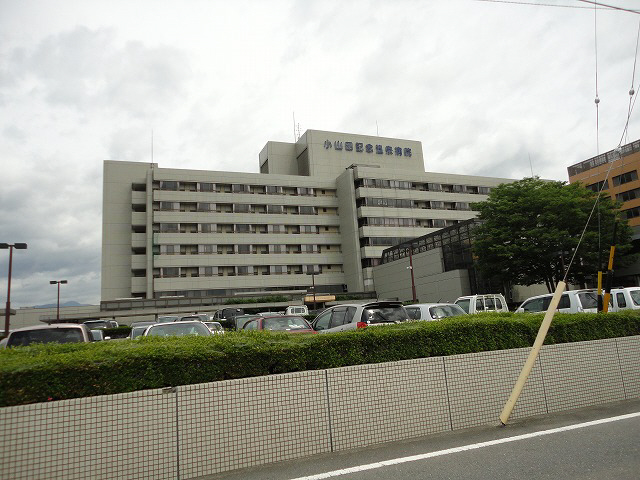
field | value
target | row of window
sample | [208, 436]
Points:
[231, 271]
[421, 186]
[407, 203]
[177, 186]
[239, 228]
[238, 208]
[242, 249]
[405, 222]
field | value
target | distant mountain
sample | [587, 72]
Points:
[65, 304]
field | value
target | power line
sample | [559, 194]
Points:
[535, 4]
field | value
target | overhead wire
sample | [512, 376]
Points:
[632, 99]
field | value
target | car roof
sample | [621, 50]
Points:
[440, 304]
[53, 325]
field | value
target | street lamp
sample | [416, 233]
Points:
[53, 282]
[410, 267]
[313, 282]
[10, 246]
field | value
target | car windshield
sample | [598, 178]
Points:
[588, 299]
[635, 296]
[442, 311]
[384, 314]
[241, 320]
[167, 318]
[178, 329]
[53, 335]
[284, 324]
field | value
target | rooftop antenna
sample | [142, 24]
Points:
[377, 134]
[152, 148]
[530, 165]
[294, 127]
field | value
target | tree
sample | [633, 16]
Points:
[530, 229]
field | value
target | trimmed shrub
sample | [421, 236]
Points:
[60, 371]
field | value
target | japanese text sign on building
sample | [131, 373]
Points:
[368, 148]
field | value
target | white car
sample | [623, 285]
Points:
[433, 311]
[571, 301]
[627, 298]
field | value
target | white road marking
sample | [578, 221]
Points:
[473, 446]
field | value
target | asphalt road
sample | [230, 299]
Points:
[594, 443]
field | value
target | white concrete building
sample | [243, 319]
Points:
[327, 205]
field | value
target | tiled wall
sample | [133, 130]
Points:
[198, 430]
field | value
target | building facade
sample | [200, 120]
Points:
[321, 211]
[615, 173]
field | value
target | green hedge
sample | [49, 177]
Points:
[53, 372]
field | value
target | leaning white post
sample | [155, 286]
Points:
[528, 366]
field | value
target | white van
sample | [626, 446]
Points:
[297, 310]
[571, 301]
[626, 298]
[491, 302]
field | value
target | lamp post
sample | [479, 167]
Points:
[313, 283]
[53, 282]
[410, 267]
[10, 246]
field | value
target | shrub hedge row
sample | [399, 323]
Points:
[53, 372]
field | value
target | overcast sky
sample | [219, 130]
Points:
[489, 88]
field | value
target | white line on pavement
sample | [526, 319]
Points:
[473, 446]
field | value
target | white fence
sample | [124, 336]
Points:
[196, 430]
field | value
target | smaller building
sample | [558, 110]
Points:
[615, 173]
[440, 267]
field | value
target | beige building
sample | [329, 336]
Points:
[320, 211]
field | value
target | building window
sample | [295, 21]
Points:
[207, 187]
[238, 188]
[242, 208]
[305, 210]
[169, 227]
[271, 189]
[207, 249]
[628, 195]
[625, 178]
[208, 228]
[598, 186]
[169, 272]
[243, 228]
[244, 270]
[277, 269]
[166, 185]
[208, 271]
[245, 249]
[278, 209]
[632, 212]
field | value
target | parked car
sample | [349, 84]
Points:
[202, 317]
[167, 318]
[627, 298]
[215, 327]
[226, 315]
[138, 328]
[240, 320]
[433, 311]
[55, 333]
[571, 301]
[177, 329]
[490, 302]
[297, 310]
[280, 323]
[351, 316]
[101, 324]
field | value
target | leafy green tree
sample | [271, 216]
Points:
[530, 230]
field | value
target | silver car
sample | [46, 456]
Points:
[433, 311]
[177, 329]
[55, 333]
[351, 316]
